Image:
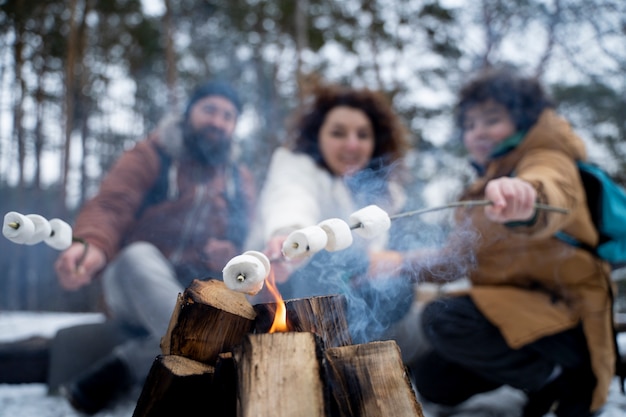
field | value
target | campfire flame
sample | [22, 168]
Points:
[280, 318]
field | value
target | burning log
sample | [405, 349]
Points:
[374, 371]
[175, 386]
[279, 375]
[323, 315]
[208, 319]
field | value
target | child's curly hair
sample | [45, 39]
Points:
[523, 97]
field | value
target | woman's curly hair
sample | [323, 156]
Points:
[523, 97]
[390, 135]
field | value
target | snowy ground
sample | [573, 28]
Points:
[32, 400]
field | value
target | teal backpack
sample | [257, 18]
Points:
[607, 204]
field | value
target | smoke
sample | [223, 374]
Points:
[454, 259]
[374, 305]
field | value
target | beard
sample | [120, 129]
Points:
[208, 145]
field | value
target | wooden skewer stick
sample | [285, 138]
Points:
[472, 203]
[466, 203]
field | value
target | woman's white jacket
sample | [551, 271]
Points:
[298, 193]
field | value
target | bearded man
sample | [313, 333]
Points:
[172, 209]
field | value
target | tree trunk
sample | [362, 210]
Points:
[18, 104]
[70, 67]
[302, 28]
[170, 57]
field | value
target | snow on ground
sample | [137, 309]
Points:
[32, 400]
[22, 324]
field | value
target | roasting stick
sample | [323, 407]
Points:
[247, 273]
[466, 203]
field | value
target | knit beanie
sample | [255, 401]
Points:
[213, 88]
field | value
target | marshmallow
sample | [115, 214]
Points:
[42, 229]
[304, 242]
[245, 273]
[17, 227]
[338, 233]
[261, 257]
[61, 235]
[370, 221]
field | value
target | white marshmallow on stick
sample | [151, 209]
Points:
[61, 235]
[338, 232]
[42, 229]
[261, 257]
[245, 273]
[370, 221]
[17, 227]
[304, 242]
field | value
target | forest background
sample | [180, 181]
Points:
[82, 80]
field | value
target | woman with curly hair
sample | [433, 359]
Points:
[343, 152]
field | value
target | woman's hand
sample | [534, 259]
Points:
[78, 265]
[513, 200]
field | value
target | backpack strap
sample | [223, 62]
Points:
[572, 241]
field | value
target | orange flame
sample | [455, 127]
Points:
[280, 318]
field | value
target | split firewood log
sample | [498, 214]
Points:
[175, 386]
[279, 376]
[208, 319]
[225, 386]
[369, 380]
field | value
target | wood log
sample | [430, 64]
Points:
[322, 315]
[279, 375]
[208, 319]
[175, 386]
[225, 386]
[370, 380]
